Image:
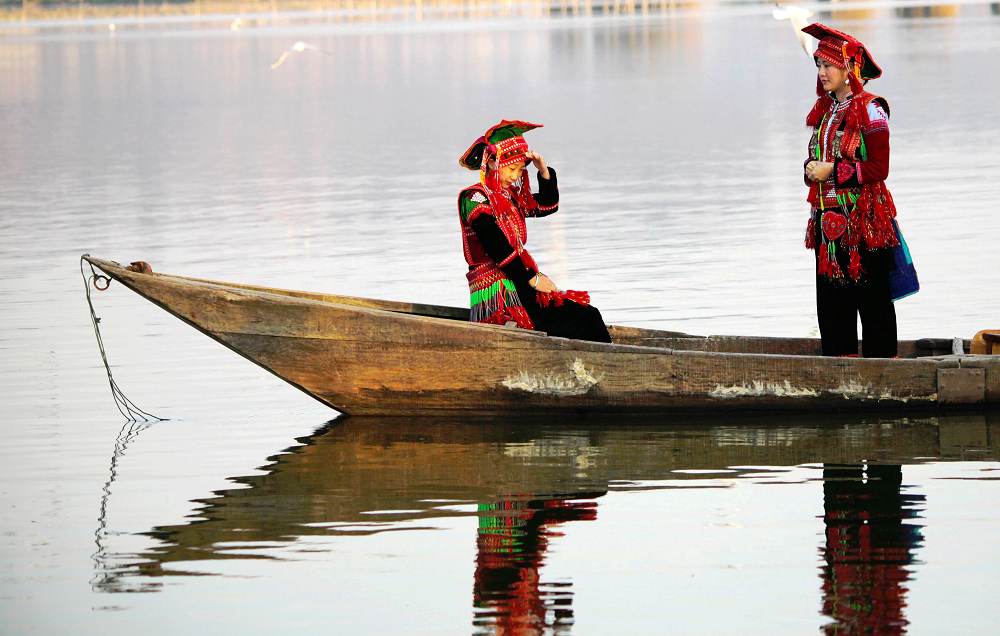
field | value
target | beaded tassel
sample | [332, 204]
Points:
[854, 267]
[832, 266]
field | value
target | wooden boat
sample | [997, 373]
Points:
[375, 357]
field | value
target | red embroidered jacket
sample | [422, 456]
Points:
[492, 239]
[853, 134]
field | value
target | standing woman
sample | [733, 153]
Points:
[850, 228]
[505, 284]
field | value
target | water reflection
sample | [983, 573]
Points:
[870, 539]
[106, 566]
[524, 483]
[934, 11]
[859, 12]
[509, 594]
[855, 12]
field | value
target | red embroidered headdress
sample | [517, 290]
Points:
[505, 143]
[843, 51]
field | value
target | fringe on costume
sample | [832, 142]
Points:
[493, 299]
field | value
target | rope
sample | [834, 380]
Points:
[126, 407]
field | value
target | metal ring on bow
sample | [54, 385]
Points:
[97, 284]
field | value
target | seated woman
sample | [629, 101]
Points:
[504, 281]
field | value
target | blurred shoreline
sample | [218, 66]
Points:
[242, 13]
[371, 9]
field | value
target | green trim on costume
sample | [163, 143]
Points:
[819, 137]
[843, 198]
[493, 290]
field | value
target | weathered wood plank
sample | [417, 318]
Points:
[990, 364]
[961, 385]
[420, 309]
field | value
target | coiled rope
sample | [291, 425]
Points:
[126, 407]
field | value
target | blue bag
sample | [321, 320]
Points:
[903, 277]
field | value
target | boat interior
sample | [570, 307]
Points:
[624, 335]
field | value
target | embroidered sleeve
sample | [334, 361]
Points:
[871, 166]
[499, 249]
[876, 167]
[878, 119]
[474, 203]
[547, 196]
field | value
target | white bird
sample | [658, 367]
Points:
[799, 18]
[298, 47]
[236, 24]
[112, 27]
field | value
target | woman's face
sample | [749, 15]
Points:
[831, 77]
[510, 174]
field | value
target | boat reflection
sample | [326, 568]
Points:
[526, 481]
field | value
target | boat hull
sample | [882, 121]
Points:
[361, 356]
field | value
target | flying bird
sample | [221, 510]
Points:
[799, 18]
[298, 47]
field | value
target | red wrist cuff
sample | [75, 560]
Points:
[845, 171]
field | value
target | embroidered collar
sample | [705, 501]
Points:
[847, 99]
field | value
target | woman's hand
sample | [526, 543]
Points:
[543, 283]
[819, 170]
[539, 162]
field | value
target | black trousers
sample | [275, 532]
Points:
[570, 320]
[839, 303]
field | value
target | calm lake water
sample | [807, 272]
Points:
[679, 140]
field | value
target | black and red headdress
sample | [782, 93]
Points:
[503, 143]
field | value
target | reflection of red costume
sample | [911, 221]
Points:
[513, 538]
[868, 547]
